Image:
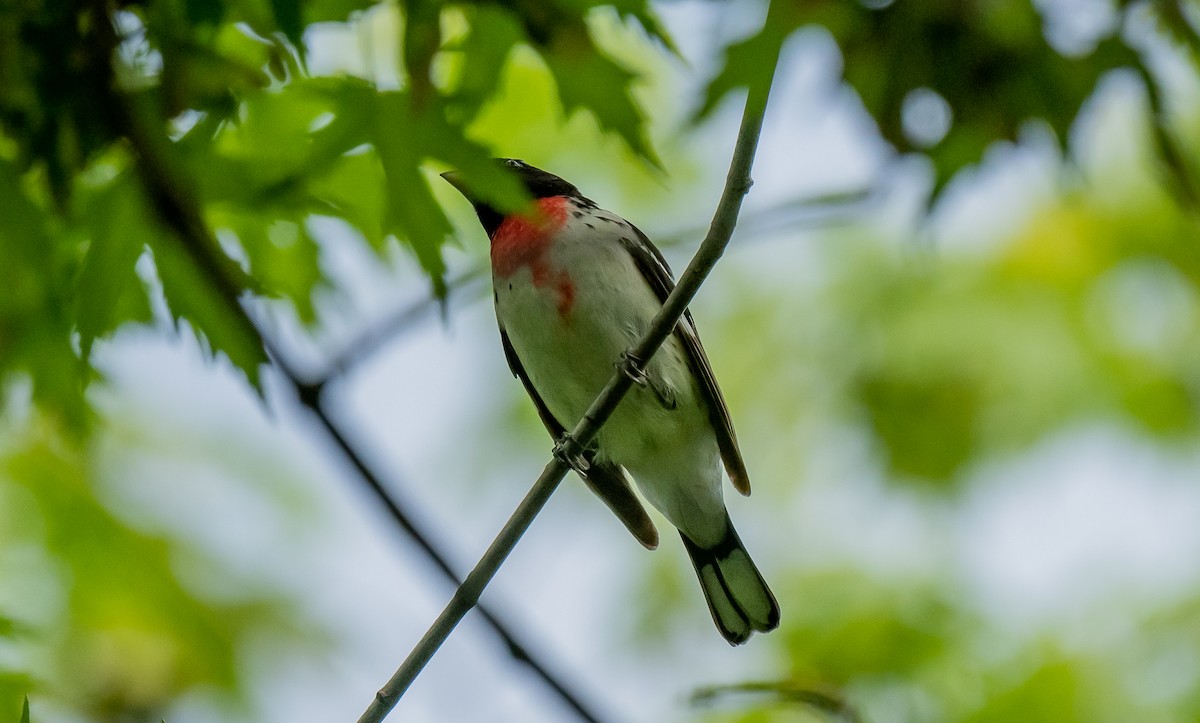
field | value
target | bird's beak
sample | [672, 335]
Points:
[454, 179]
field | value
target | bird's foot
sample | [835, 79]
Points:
[632, 367]
[569, 451]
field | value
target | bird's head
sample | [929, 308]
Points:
[538, 184]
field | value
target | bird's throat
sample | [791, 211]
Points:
[523, 240]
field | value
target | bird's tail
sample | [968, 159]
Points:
[737, 595]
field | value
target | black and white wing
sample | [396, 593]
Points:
[607, 480]
[654, 268]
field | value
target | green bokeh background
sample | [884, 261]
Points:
[883, 365]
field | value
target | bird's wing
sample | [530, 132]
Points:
[654, 268]
[606, 479]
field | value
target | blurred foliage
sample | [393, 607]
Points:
[1089, 313]
[109, 110]
[908, 653]
[217, 90]
[946, 366]
[105, 600]
[951, 77]
[967, 362]
[136, 137]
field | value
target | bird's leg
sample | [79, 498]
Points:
[569, 451]
[632, 367]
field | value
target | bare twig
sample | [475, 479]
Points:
[816, 696]
[1177, 173]
[312, 398]
[737, 184]
[823, 211]
[178, 210]
[367, 343]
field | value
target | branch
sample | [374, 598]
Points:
[737, 184]
[312, 398]
[820, 697]
[370, 341]
[179, 212]
[805, 212]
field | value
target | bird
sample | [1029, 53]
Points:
[575, 287]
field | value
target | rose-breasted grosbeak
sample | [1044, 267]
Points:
[575, 287]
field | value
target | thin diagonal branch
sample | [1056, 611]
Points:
[737, 184]
[179, 212]
[370, 341]
[819, 697]
[312, 399]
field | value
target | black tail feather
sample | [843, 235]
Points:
[738, 598]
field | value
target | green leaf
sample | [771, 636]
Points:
[422, 38]
[412, 213]
[204, 12]
[329, 11]
[14, 691]
[484, 51]
[349, 129]
[404, 138]
[270, 143]
[750, 62]
[288, 17]
[990, 62]
[25, 711]
[34, 326]
[641, 11]
[109, 292]
[354, 189]
[587, 78]
[220, 325]
[487, 179]
[10, 628]
[284, 260]
[279, 143]
[206, 75]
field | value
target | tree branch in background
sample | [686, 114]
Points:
[737, 184]
[823, 211]
[312, 398]
[372, 339]
[177, 209]
[821, 698]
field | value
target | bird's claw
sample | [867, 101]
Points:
[632, 367]
[570, 453]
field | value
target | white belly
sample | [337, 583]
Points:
[569, 352]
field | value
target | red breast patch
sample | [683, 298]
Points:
[523, 239]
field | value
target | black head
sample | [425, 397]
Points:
[539, 184]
